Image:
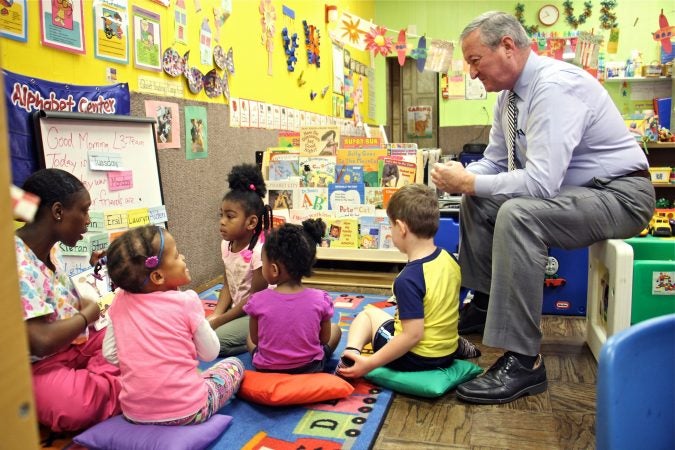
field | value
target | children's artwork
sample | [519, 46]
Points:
[167, 130]
[439, 56]
[588, 46]
[195, 79]
[352, 31]
[180, 22]
[220, 15]
[213, 84]
[420, 53]
[172, 63]
[268, 16]
[147, 40]
[111, 31]
[338, 68]
[378, 42]
[14, 20]
[61, 25]
[313, 44]
[195, 132]
[205, 42]
[319, 141]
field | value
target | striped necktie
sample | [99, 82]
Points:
[512, 118]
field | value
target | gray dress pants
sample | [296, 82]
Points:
[504, 247]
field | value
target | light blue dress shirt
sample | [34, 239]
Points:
[569, 132]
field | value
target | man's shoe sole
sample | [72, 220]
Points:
[530, 390]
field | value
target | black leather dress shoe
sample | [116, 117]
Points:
[471, 319]
[504, 382]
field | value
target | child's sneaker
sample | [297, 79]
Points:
[466, 349]
[346, 362]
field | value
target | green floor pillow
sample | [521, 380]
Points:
[427, 383]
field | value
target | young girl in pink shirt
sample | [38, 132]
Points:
[244, 220]
[157, 332]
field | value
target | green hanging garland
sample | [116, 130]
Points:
[569, 13]
[520, 9]
[607, 16]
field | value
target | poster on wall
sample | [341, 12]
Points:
[418, 123]
[338, 69]
[167, 130]
[147, 40]
[14, 20]
[61, 25]
[25, 95]
[111, 30]
[196, 144]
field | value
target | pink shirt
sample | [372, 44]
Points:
[157, 356]
[289, 326]
[239, 268]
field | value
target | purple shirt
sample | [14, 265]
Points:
[288, 327]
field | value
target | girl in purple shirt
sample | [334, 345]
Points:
[290, 325]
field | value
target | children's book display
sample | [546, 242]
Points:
[348, 187]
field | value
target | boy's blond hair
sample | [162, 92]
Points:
[417, 206]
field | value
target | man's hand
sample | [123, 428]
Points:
[451, 177]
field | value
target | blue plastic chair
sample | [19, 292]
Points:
[636, 387]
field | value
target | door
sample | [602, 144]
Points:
[412, 109]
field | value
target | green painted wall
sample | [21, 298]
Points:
[445, 19]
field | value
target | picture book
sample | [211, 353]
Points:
[313, 198]
[348, 173]
[345, 193]
[289, 139]
[387, 192]
[369, 231]
[281, 193]
[395, 172]
[283, 166]
[373, 196]
[352, 210]
[317, 171]
[94, 284]
[386, 241]
[368, 158]
[298, 215]
[278, 220]
[342, 233]
[319, 140]
[361, 142]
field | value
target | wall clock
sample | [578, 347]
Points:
[548, 15]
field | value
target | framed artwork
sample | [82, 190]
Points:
[167, 129]
[196, 143]
[147, 40]
[14, 20]
[111, 31]
[61, 25]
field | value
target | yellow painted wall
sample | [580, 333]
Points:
[242, 31]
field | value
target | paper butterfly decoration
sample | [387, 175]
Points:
[225, 87]
[312, 95]
[195, 80]
[213, 85]
[290, 44]
[301, 82]
[378, 42]
[323, 91]
[312, 41]
[172, 63]
[224, 61]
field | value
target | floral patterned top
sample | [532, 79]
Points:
[44, 292]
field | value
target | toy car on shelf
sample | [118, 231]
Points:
[660, 226]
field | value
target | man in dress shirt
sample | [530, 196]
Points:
[579, 178]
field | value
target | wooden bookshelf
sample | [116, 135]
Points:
[361, 254]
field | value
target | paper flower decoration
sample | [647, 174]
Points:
[378, 42]
[351, 30]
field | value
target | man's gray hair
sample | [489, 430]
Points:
[493, 26]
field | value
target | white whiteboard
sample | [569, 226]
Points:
[71, 141]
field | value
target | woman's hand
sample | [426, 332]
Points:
[95, 256]
[89, 308]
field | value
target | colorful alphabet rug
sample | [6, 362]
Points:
[349, 423]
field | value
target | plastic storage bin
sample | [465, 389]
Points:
[447, 236]
[653, 277]
[566, 285]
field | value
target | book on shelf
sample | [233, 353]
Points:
[283, 166]
[94, 284]
[317, 171]
[386, 241]
[345, 193]
[374, 196]
[281, 194]
[289, 139]
[341, 209]
[387, 192]
[369, 231]
[313, 198]
[349, 173]
[395, 172]
[299, 215]
[319, 140]
[368, 158]
[341, 233]
[361, 142]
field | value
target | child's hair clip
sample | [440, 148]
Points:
[151, 262]
[251, 187]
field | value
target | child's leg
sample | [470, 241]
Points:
[232, 336]
[363, 328]
[222, 381]
[335, 335]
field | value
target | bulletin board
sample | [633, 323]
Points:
[115, 157]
